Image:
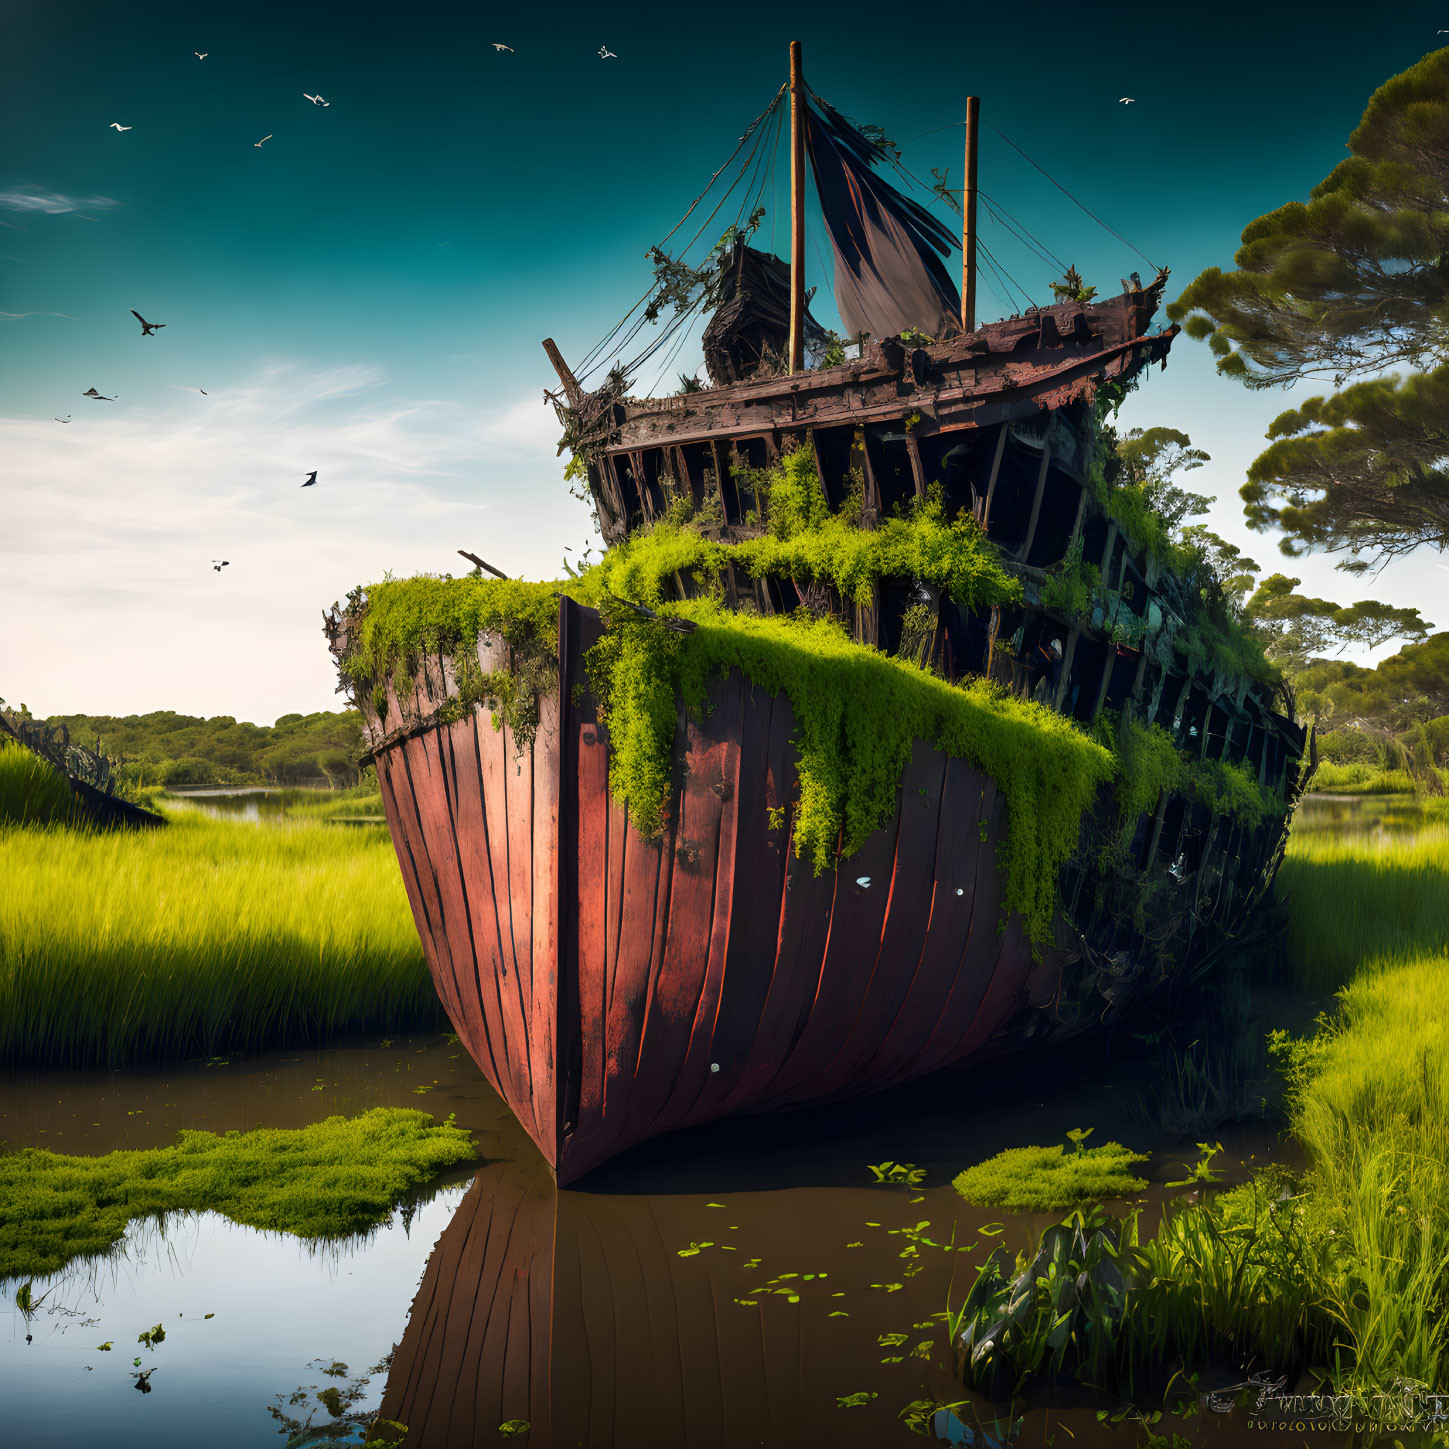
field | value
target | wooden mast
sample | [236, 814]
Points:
[968, 220]
[797, 210]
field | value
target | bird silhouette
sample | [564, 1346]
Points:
[65, 419]
[311, 479]
[201, 54]
[1125, 100]
[508, 48]
[219, 563]
[316, 100]
[203, 392]
[117, 126]
[99, 397]
[147, 328]
[606, 54]
[267, 137]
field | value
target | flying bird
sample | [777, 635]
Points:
[99, 397]
[606, 54]
[65, 419]
[311, 479]
[508, 48]
[203, 392]
[316, 100]
[1125, 100]
[219, 563]
[267, 137]
[201, 54]
[147, 328]
[117, 126]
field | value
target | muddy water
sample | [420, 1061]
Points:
[731, 1286]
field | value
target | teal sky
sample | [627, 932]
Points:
[365, 293]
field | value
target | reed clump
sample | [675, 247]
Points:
[331, 1179]
[31, 791]
[1369, 1100]
[206, 937]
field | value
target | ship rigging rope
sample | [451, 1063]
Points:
[1019, 229]
[1075, 202]
[675, 329]
[957, 125]
[605, 348]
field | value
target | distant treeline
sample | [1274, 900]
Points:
[166, 748]
[1394, 717]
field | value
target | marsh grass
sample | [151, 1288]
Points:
[31, 791]
[1356, 897]
[332, 1179]
[206, 937]
[1369, 1100]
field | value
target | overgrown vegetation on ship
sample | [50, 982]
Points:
[332, 1179]
[857, 711]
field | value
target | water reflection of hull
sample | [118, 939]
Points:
[613, 987]
[577, 1313]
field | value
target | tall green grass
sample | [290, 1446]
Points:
[31, 791]
[204, 937]
[1361, 896]
[1369, 1100]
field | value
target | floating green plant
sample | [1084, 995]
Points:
[331, 1179]
[1044, 1179]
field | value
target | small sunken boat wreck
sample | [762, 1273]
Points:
[889, 732]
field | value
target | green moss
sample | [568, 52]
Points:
[808, 542]
[857, 713]
[331, 1179]
[1071, 585]
[1232, 789]
[1150, 765]
[1046, 1179]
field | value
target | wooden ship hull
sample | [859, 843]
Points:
[613, 987]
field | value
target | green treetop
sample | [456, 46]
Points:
[1346, 285]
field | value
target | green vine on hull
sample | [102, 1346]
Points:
[858, 711]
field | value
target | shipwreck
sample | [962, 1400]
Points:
[886, 734]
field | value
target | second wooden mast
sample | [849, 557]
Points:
[797, 210]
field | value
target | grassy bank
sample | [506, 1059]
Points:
[332, 1179]
[202, 938]
[1370, 1103]
[1361, 896]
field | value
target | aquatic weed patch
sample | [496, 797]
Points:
[331, 1179]
[1045, 1179]
[203, 938]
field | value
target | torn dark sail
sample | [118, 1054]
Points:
[889, 272]
[750, 329]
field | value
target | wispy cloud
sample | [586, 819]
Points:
[117, 517]
[52, 203]
[16, 316]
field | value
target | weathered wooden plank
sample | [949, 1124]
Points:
[959, 841]
[903, 938]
